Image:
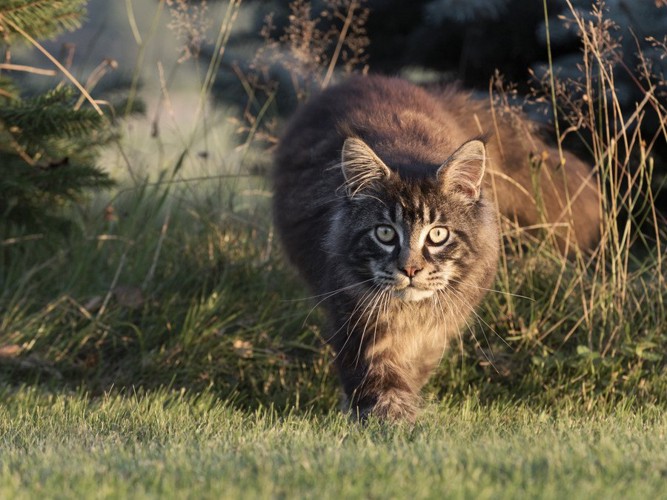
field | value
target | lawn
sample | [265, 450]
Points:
[157, 345]
[164, 349]
[168, 444]
[169, 352]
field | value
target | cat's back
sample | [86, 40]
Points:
[403, 123]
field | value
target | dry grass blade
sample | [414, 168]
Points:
[27, 69]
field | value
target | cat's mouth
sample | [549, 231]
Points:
[411, 293]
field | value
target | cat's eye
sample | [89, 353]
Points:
[438, 236]
[386, 234]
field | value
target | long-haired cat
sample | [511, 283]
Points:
[384, 202]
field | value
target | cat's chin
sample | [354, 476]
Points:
[412, 294]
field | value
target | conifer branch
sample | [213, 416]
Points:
[48, 146]
[55, 61]
[43, 18]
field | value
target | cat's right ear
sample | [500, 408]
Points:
[361, 166]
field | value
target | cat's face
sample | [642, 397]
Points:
[412, 241]
[413, 237]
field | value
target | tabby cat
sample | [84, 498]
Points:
[382, 203]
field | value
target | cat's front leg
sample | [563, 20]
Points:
[381, 390]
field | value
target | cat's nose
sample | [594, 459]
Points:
[410, 271]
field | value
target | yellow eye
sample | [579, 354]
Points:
[386, 234]
[438, 235]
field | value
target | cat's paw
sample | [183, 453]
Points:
[394, 406]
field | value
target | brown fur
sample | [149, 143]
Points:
[570, 204]
[379, 153]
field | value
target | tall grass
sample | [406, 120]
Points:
[595, 324]
[174, 279]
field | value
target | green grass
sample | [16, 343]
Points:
[164, 348]
[209, 306]
[212, 305]
[215, 383]
[176, 445]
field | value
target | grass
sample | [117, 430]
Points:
[166, 295]
[173, 289]
[164, 348]
[177, 445]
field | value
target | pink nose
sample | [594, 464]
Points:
[411, 271]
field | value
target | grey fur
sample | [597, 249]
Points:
[367, 174]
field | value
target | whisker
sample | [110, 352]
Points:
[453, 306]
[376, 300]
[328, 294]
[384, 302]
[365, 302]
[491, 290]
[479, 318]
[387, 294]
[367, 296]
[443, 314]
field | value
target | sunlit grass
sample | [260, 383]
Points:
[165, 348]
[175, 445]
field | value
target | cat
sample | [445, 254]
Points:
[384, 202]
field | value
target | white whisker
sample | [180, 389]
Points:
[368, 295]
[479, 318]
[491, 290]
[328, 295]
[373, 306]
[331, 293]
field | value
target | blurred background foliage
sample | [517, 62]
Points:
[478, 43]
[286, 46]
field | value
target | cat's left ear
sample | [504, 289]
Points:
[463, 171]
[361, 166]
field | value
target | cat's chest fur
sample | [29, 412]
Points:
[416, 340]
[404, 331]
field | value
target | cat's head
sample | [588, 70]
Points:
[415, 234]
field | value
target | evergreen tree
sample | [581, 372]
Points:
[48, 144]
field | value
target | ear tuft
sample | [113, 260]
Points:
[361, 166]
[463, 171]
